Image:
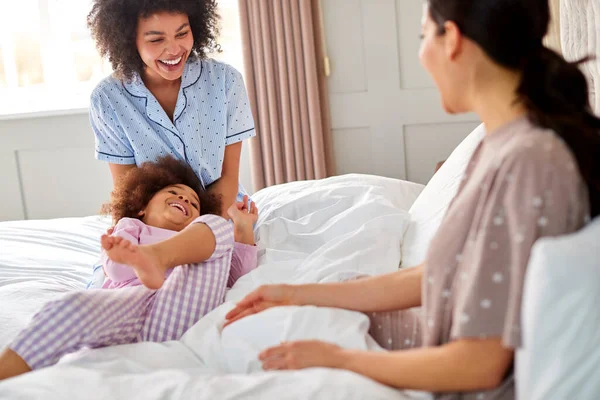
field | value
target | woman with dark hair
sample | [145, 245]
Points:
[535, 174]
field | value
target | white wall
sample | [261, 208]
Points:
[48, 169]
[386, 117]
[386, 113]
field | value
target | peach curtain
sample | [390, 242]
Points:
[284, 61]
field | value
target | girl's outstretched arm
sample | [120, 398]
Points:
[208, 237]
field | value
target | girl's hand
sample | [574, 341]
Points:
[259, 300]
[249, 210]
[243, 213]
[303, 354]
[244, 216]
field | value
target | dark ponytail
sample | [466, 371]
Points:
[554, 91]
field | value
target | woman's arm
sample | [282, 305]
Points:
[118, 170]
[460, 366]
[228, 185]
[112, 144]
[396, 291]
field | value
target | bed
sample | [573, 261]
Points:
[307, 232]
[315, 231]
[320, 231]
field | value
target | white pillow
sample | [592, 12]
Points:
[429, 209]
[560, 356]
[345, 223]
[296, 200]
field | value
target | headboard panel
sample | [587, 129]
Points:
[580, 36]
[553, 38]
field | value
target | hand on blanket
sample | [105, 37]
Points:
[302, 354]
[264, 297]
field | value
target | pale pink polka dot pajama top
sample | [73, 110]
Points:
[522, 184]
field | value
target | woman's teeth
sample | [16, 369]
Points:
[171, 62]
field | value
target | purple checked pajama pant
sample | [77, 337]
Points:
[108, 317]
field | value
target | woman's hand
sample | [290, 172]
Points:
[259, 300]
[303, 354]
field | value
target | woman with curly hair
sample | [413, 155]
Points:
[165, 96]
[152, 203]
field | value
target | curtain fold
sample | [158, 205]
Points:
[285, 76]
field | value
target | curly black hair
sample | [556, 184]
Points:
[137, 187]
[113, 24]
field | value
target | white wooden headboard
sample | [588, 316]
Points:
[553, 38]
[580, 36]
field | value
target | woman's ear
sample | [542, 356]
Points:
[453, 40]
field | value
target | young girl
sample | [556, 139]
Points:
[153, 203]
[150, 226]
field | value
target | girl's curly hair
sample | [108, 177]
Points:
[113, 24]
[137, 187]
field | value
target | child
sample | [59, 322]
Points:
[136, 192]
[153, 203]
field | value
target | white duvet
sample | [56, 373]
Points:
[320, 231]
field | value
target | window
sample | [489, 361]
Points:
[49, 62]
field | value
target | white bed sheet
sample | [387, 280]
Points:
[308, 232]
[40, 260]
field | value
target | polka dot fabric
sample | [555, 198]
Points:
[396, 330]
[212, 112]
[521, 184]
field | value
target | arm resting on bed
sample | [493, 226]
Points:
[460, 366]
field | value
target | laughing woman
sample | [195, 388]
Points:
[165, 97]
